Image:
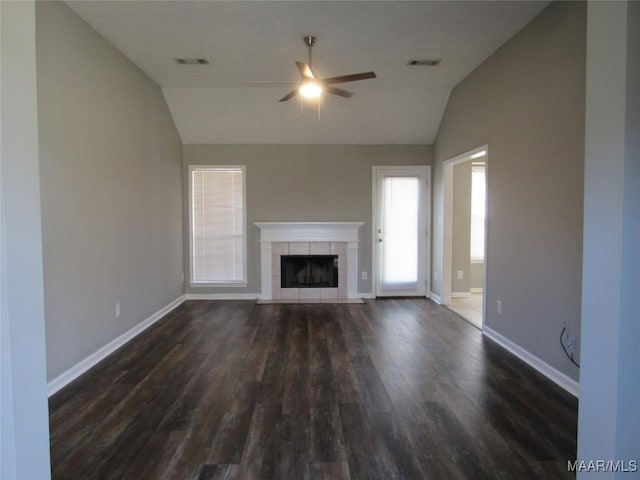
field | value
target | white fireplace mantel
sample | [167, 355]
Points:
[309, 232]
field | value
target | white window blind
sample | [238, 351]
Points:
[478, 201]
[218, 243]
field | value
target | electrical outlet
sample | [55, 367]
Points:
[565, 323]
[365, 275]
[435, 276]
[460, 274]
[499, 307]
[117, 310]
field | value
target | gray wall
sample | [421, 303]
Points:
[461, 241]
[476, 275]
[628, 422]
[24, 422]
[303, 183]
[111, 189]
[526, 102]
[609, 414]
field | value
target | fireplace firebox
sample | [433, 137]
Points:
[309, 271]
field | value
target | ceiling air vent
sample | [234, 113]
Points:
[192, 61]
[423, 63]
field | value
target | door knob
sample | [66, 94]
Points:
[379, 240]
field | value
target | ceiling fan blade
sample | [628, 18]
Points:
[338, 91]
[305, 70]
[348, 78]
[292, 93]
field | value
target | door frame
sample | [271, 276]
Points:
[447, 230]
[426, 272]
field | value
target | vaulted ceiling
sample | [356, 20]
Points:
[254, 41]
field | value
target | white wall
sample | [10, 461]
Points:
[628, 426]
[24, 422]
[609, 413]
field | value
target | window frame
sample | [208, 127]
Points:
[213, 283]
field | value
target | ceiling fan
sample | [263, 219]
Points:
[312, 87]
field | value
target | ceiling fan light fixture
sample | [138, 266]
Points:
[310, 89]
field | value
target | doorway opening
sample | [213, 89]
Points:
[465, 239]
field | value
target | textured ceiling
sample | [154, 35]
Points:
[254, 41]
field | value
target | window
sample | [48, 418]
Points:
[478, 195]
[400, 217]
[217, 226]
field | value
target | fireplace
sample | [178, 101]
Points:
[334, 240]
[309, 271]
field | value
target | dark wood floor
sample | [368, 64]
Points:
[234, 390]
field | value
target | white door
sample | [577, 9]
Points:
[400, 230]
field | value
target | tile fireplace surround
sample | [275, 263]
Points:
[309, 238]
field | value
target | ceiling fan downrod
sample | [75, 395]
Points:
[310, 41]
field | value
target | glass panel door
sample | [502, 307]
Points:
[400, 231]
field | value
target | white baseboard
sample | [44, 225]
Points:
[553, 374]
[460, 294]
[373, 295]
[476, 290]
[78, 369]
[244, 296]
[222, 296]
[436, 298]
